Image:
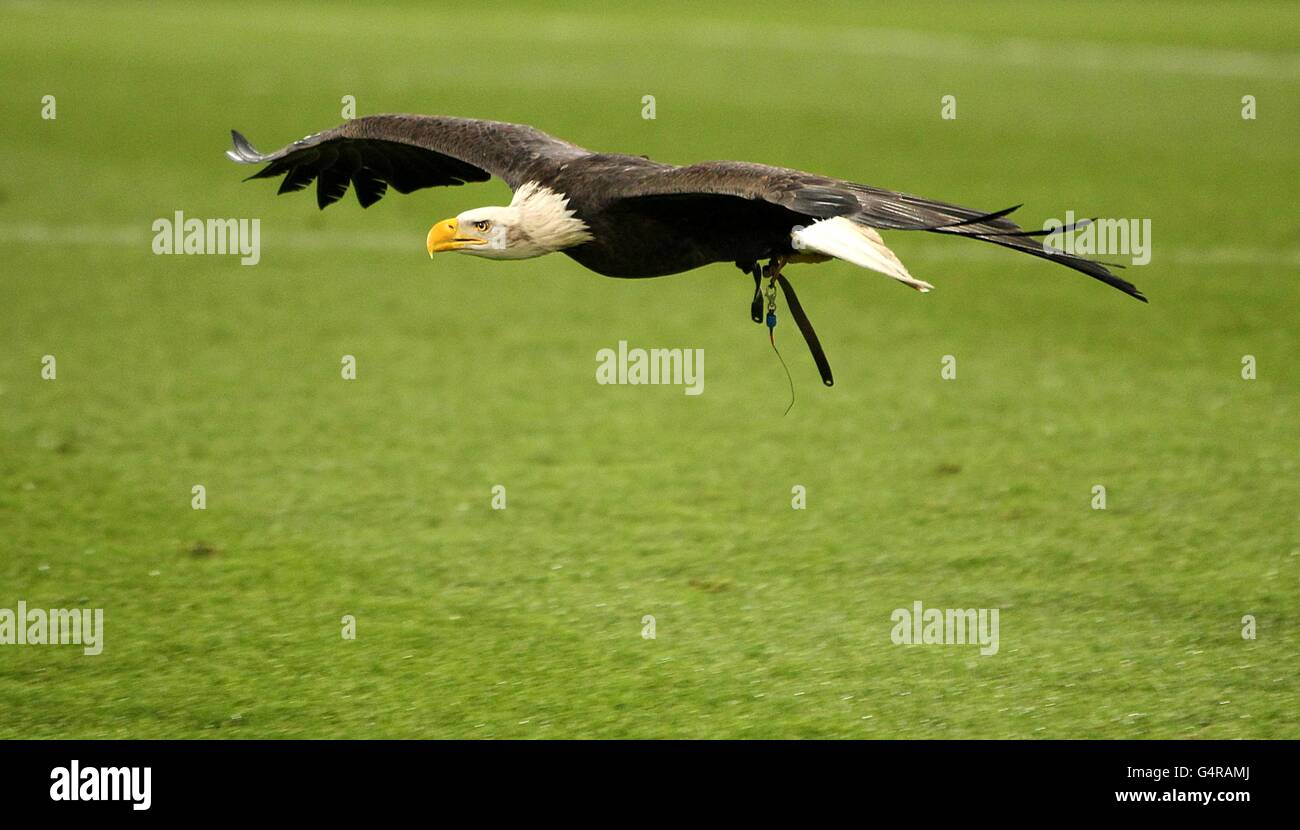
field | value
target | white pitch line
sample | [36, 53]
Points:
[793, 36]
[126, 236]
[390, 242]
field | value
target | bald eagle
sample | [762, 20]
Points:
[630, 217]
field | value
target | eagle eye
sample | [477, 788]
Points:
[481, 225]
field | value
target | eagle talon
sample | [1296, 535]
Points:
[756, 304]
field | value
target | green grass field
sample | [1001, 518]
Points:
[371, 497]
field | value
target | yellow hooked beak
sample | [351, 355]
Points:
[444, 236]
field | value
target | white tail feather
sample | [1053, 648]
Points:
[858, 244]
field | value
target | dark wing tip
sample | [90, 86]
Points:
[1099, 271]
[243, 152]
[984, 218]
[1028, 245]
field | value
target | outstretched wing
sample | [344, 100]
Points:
[821, 197]
[407, 152]
[816, 196]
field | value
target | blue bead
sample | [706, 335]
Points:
[771, 319]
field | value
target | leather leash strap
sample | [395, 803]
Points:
[805, 327]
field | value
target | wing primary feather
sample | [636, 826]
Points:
[977, 220]
[368, 187]
[1092, 268]
[1082, 223]
[331, 185]
[244, 152]
[297, 179]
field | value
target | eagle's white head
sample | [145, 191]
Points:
[537, 221]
